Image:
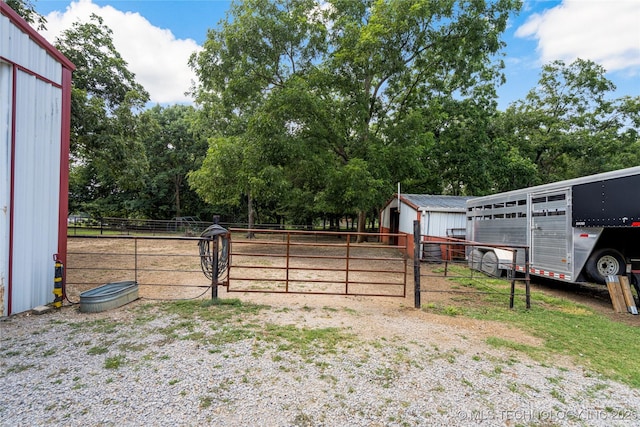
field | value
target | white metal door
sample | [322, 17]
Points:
[550, 231]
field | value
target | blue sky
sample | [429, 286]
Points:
[156, 38]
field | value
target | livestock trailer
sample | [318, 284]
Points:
[578, 230]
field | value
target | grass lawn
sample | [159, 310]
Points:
[602, 345]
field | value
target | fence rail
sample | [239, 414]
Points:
[305, 262]
[291, 261]
[186, 226]
[162, 266]
[461, 260]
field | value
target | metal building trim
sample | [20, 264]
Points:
[34, 64]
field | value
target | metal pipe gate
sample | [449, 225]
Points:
[315, 262]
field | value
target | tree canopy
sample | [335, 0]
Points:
[27, 10]
[343, 85]
[310, 110]
[569, 126]
[108, 160]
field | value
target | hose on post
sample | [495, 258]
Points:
[208, 257]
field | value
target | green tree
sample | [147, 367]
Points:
[173, 149]
[569, 126]
[108, 161]
[343, 84]
[233, 172]
[100, 69]
[27, 10]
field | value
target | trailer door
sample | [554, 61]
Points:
[551, 238]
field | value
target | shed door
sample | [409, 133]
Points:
[550, 231]
[394, 224]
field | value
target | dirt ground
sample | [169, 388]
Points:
[170, 269]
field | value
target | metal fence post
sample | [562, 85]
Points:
[527, 277]
[214, 273]
[416, 263]
[135, 259]
[513, 278]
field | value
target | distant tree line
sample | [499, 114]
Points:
[311, 111]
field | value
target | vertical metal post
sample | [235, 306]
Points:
[214, 268]
[286, 283]
[416, 263]
[527, 277]
[513, 279]
[135, 259]
[346, 271]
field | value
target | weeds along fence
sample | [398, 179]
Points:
[445, 266]
[274, 261]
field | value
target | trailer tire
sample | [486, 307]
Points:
[490, 264]
[475, 259]
[603, 263]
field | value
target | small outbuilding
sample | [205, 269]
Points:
[440, 217]
[35, 111]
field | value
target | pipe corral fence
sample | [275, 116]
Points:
[283, 261]
[274, 261]
[466, 267]
[301, 262]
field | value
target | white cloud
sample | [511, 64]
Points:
[157, 58]
[604, 31]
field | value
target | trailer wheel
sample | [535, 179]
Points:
[475, 259]
[490, 264]
[603, 263]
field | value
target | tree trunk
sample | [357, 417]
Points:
[362, 226]
[176, 190]
[250, 234]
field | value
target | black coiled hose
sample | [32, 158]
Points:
[206, 246]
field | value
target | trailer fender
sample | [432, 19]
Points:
[492, 261]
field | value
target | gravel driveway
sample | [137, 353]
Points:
[293, 361]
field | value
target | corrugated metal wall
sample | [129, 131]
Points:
[438, 223]
[407, 215]
[32, 197]
[36, 191]
[432, 223]
[5, 176]
[19, 48]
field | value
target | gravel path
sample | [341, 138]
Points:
[348, 362]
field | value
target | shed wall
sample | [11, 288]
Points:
[440, 223]
[432, 222]
[407, 215]
[5, 179]
[18, 47]
[35, 99]
[36, 186]
[385, 215]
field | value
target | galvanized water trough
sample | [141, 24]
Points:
[106, 297]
